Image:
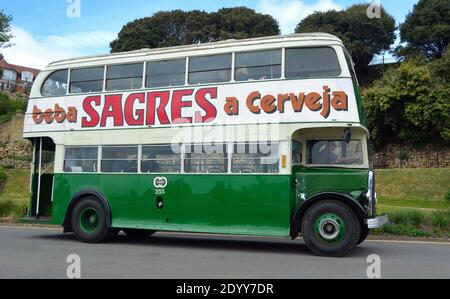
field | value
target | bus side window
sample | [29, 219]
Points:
[206, 158]
[119, 159]
[161, 158]
[166, 73]
[80, 159]
[311, 63]
[210, 69]
[255, 158]
[86, 80]
[55, 85]
[262, 65]
[124, 77]
[296, 153]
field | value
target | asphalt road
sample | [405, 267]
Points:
[42, 253]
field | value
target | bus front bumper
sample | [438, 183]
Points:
[377, 222]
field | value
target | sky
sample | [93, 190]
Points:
[50, 30]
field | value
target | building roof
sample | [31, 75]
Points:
[19, 69]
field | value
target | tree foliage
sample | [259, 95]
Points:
[363, 37]
[8, 106]
[409, 104]
[426, 29]
[440, 68]
[177, 27]
[5, 29]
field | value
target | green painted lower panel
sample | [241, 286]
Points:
[225, 204]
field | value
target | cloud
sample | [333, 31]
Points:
[97, 39]
[289, 13]
[37, 52]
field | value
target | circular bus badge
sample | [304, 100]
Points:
[160, 182]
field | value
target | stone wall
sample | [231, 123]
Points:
[401, 156]
[15, 152]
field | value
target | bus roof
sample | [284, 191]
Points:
[324, 38]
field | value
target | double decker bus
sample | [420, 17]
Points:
[262, 137]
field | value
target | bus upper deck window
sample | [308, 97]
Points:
[124, 77]
[210, 69]
[86, 80]
[55, 85]
[166, 73]
[311, 63]
[262, 65]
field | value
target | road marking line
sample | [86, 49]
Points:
[409, 242]
[30, 227]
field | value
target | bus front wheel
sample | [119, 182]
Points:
[89, 222]
[331, 228]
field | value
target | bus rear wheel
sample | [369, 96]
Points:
[138, 233]
[331, 228]
[89, 222]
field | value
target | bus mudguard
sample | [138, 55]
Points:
[79, 196]
[345, 198]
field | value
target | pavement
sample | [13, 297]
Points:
[40, 252]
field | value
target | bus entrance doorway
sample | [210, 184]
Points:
[41, 179]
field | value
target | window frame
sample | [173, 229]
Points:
[109, 159]
[141, 160]
[230, 80]
[48, 77]
[104, 66]
[306, 153]
[79, 147]
[185, 77]
[339, 63]
[278, 156]
[107, 66]
[266, 65]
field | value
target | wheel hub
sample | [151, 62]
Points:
[89, 220]
[330, 228]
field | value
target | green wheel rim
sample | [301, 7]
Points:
[330, 228]
[89, 220]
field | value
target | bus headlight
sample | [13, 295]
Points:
[371, 196]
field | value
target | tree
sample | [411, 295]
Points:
[5, 29]
[362, 36]
[426, 29]
[243, 22]
[409, 105]
[440, 68]
[177, 27]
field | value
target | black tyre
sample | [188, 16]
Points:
[138, 234]
[331, 228]
[90, 223]
[364, 233]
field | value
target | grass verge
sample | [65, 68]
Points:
[14, 193]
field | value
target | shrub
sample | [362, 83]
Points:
[6, 207]
[2, 177]
[416, 218]
[404, 230]
[447, 196]
[441, 219]
[408, 104]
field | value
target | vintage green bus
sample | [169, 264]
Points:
[262, 137]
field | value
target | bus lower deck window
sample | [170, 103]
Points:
[117, 159]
